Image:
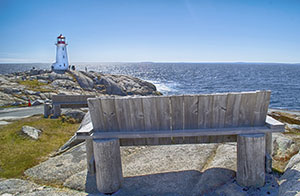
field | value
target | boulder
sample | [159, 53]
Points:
[37, 102]
[43, 81]
[293, 127]
[67, 84]
[111, 86]
[30, 92]
[75, 114]
[293, 161]
[289, 181]
[283, 147]
[84, 81]
[32, 132]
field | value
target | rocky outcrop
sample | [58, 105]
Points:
[17, 88]
[290, 180]
[283, 147]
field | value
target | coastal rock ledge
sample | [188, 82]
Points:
[39, 85]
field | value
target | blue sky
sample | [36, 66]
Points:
[151, 30]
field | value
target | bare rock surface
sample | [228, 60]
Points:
[58, 169]
[168, 158]
[225, 157]
[154, 170]
[17, 187]
[31, 132]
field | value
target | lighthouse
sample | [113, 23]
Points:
[62, 63]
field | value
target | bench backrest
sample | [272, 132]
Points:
[71, 100]
[179, 112]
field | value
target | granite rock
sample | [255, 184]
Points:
[31, 132]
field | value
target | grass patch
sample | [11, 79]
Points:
[13, 106]
[18, 152]
[31, 83]
[35, 85]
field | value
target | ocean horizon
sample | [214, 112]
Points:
[283, 79]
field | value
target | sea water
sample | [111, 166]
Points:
[199, 78]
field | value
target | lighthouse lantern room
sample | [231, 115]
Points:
[62, 63]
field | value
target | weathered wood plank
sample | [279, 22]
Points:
[190, 105]
[273, 123]
[47, 110]
[247, 107]
[56, 111]
[260, 99]
[90, 156]
[71, 98]
[164, 114]
[232, 110]
[124, 119]
[137, 117]
[177, 116]
[95, 109]
[108, 165]
[269, 152]
[187, 132]
[109, 114]
[219, 110]
[203, 103]
[208, 110]
[251, 160]
[264, 109]
[150, 118]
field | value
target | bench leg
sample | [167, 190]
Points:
[56, 111]
[251, 160]
[269, 151]
[47, 110]
[109, 175]
[90, 156]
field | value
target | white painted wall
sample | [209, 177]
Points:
[62, 62]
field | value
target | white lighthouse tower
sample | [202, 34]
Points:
[62, 63]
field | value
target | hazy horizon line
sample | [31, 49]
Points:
[248, 62]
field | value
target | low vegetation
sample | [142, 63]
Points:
[18, 152]
[35, 85]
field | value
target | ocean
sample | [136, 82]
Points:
[200, 78]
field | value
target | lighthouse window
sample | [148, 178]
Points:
[63, 48]
[63, 56]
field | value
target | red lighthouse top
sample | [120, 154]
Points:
[61, 39]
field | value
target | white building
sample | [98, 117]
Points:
[62, 63]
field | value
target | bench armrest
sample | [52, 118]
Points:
[85, 130]
[273, 123]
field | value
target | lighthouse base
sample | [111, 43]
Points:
[59, 70]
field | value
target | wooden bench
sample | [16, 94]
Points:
[65, 101]
[186, 119]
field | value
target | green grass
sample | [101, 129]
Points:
[35, 85]
[18, 152]
[31, 83]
